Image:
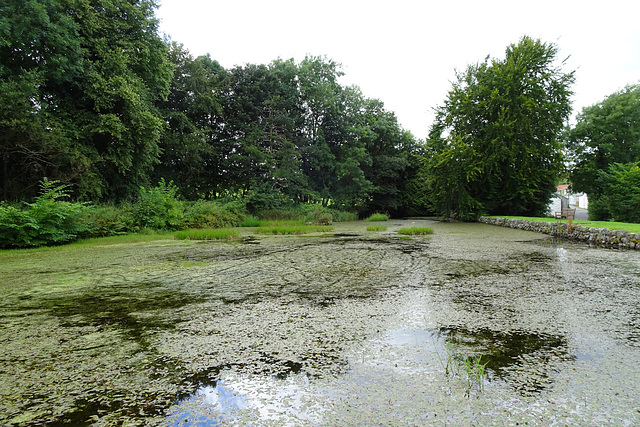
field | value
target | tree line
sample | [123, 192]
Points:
[92, 96]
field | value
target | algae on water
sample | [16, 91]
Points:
[346, 328]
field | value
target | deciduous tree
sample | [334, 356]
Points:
[508, 114]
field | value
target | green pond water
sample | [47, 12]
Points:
[351, 328]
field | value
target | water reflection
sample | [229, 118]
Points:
[220, 401]
[526, 360]
[243, 399]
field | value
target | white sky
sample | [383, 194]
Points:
[405, 52]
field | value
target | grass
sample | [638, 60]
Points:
[123, 239]
[465, 367]
[611, 225]
[377, 217]
[415, 231]
[251, 221]
[293, 229]
[377, 228]
[207, 234]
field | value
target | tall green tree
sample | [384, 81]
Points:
[605, 133]
[192, 156]
[323, 127]
[89, 73]
[509, 113]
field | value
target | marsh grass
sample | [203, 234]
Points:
[251, 221]
[293, 229]
[415, 231]
[468, 368]
[377, 228]
[377, 217]
[207, 234]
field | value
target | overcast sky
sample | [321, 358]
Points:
[405, 52]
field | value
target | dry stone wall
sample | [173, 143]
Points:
[592, 235]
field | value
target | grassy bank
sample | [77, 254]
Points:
[611, 225]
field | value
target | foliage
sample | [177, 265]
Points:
[377, 228]
[320, 215]
[621, 188]
[377, 217]
[414, 231]
[159, 208]
[494, 144]
[605, 133]
[79, 82]
[452, 171]
[207, 234]
[211, 214]
[108, 220]
[92, 95]
[48, 220]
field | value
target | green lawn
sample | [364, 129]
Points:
[627, 226]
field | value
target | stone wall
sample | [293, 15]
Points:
[592, 235]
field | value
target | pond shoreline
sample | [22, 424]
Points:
[592, 235]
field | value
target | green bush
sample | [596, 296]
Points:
[281, 215]
[46, 221]
[264, 198]
[108, 220]
[210, 214]
[159, 208]
[320, 215]
[623, 191]
[378, 217]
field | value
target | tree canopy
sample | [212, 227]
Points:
[494, 145]
[605, 134]
[80, 80]
[92, 96]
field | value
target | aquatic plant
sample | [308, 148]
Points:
[414, 231]
[377, 217]
[377, 228]
[469, 368]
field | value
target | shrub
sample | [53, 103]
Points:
[108, 220]
[622, 191]
[210, 214]
[378, 217]
[320, 215]
[47, 221]
[159, 208]
[281, 215]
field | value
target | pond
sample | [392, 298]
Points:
[473, 325]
